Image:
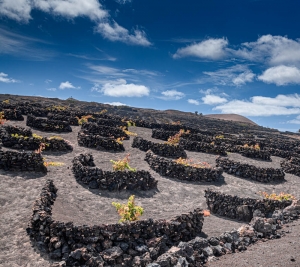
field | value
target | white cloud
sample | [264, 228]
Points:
[209, 49]
[213, 99]
[295, 121]
[281, 75]
[4, 78]
[122, 2]
[275, 50]
[172, 95]
[20, 9]
[263, 106]
[120, 88]
[51, 89]
[114, 32]
[48, 81]
[116, 103]
[243, 78]
[193, 102]
[67, 85]
[234, 76]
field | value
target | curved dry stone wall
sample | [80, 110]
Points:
[264, 175]
[291, 166]
[251, 152]
[96, 178]
[163, 150]
[48, 125]
[239, 208]
[202, 147]
[25, 140]
[13, 114]
[200, 250]
[169, 168]
[21, 161]
[105, 131]
[98, 142]
[132, 244]
[72, 120]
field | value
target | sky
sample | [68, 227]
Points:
[209, 56]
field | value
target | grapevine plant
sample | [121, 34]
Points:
[129, 212]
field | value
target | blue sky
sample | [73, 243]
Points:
[211, 56]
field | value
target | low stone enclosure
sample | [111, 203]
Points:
[242, 209]
[263, 175]
[105, 131]
[13, 114]
[21, 161]
[48, 125]
[108, 122]
[21, 138]
[98, 142]
[170, 168]
[127, 243]
[156, 243]
[291, 165]
[164, 150]
[85, 172]
[72, 120]
[202, 147]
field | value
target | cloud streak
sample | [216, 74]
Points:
[5, 79]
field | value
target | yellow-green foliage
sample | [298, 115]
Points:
[19, 136]
[174, 140]
[122, 165]
[189, 162]
[6, 101]
[128, 132]
[281, 196]
[53, 163]
[129, 212]
[221, 136]
[176, 123]
[55, 137]
[37, 136]
[84, 119]
[129, 122]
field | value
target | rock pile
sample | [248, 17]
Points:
[170, 168]
[132, 244]
[21, 161]
[48, 125]
[96, 178]
[263, 175]
[98, 142]
[164, 150]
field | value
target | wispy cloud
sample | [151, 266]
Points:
[5, 79]
[51, 89]
[233, 76]
[114, 32]
[213, 49]
[263, 106]
[171, 95]
[48, 81]
[67, 85]
[194, 102]
[281, 75]
[23, 46]
[120, 88]
[295, 121]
